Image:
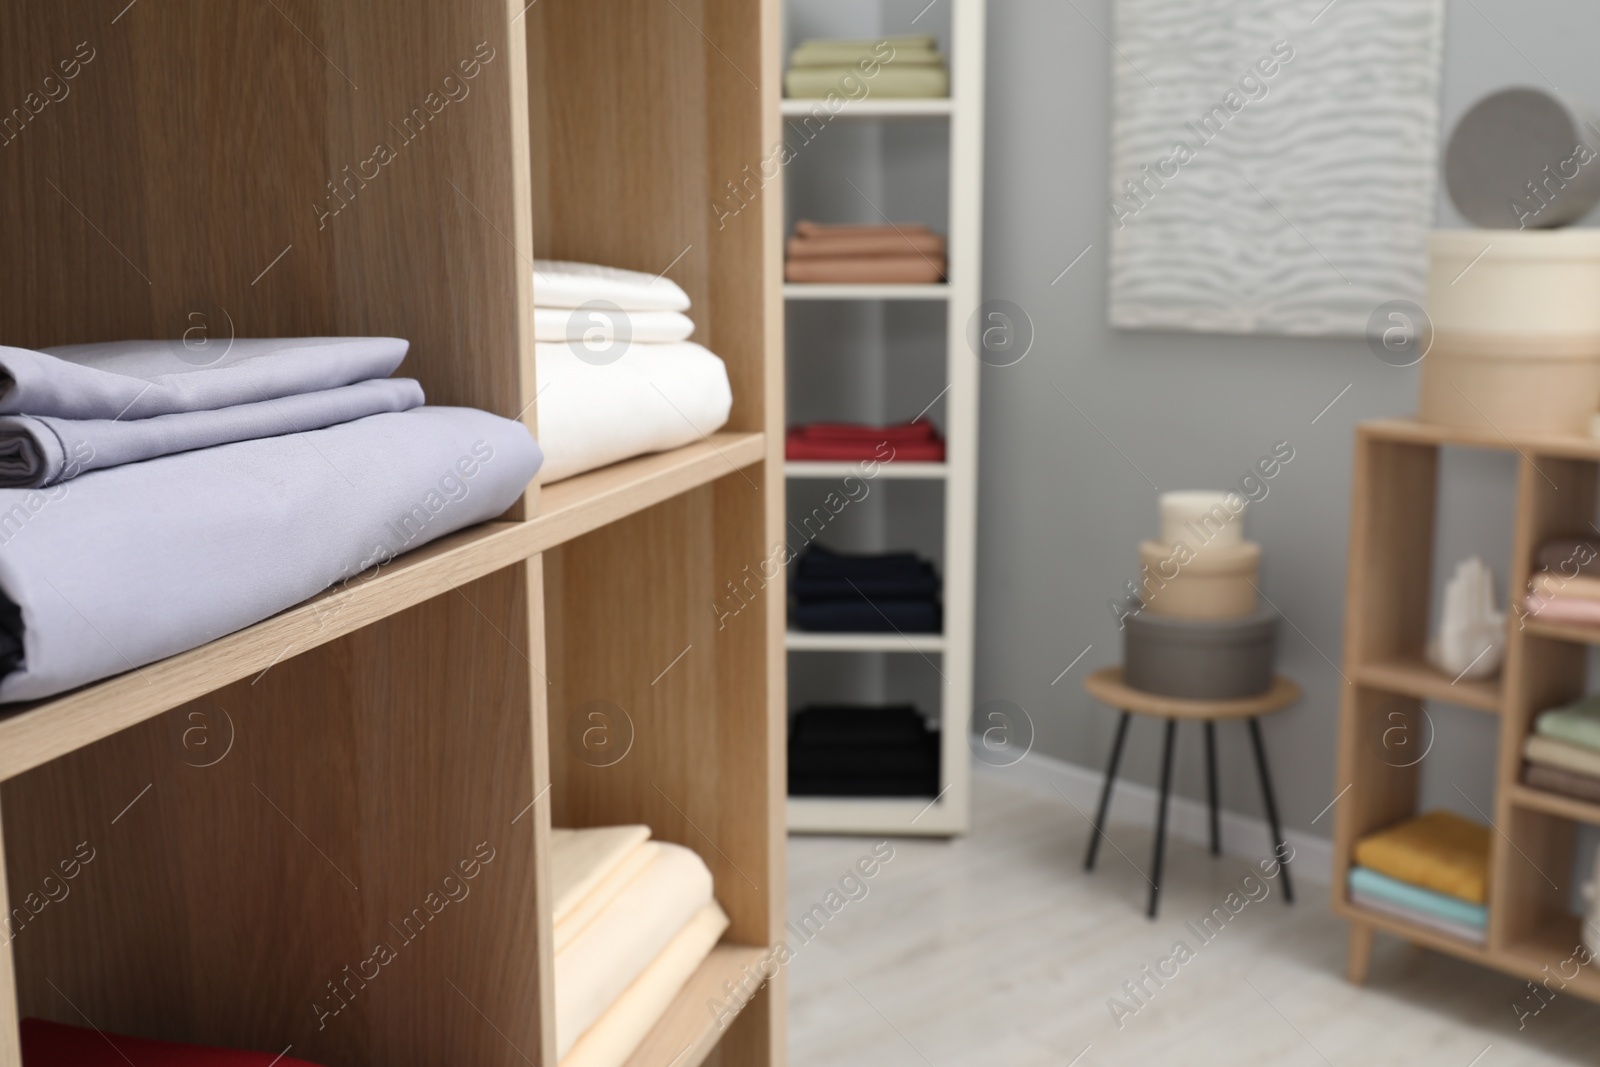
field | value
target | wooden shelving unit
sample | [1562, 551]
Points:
[952, 651]
[368, 741]
[1386, 619]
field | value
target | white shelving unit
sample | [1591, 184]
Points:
[950, 653]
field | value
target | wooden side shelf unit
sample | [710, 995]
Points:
[1392, 524]
[269, 834]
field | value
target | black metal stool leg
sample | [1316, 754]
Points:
[1099, 828]
[1272, 806]
[1161, 815]
[1211, 786]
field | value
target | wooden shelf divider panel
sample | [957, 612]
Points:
[1417, 678]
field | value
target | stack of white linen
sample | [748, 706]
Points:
[155, 496]
[634, 919]
[617, 373]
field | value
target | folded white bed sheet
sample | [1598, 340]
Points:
[570, 925]
[628, 935]
[565, 284]
[38, 451]
[649, 399]
[581, 859]
[602, 326]
[141, 379]
[122, 567]
[619, 1032]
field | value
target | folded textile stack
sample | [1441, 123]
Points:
[1432, 870]
[900, 67]
[910, 442]
[1566, 585]
[885, 593]
[178, 494]
[1563, 753]
[634, 919]
[617, 374]
[900, 253]
[850, 751]
[47, 1044]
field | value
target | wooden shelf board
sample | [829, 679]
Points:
[578, 505]
[899, 816]
[1564, 631]
[1551, 946]
[872, 108]
[1411, 431]
[821, 291]
[842, 469]
[1418, 935]
[32, 734]
[1525, 796]
[800, 641]
[1413, 677]
[689, 1030]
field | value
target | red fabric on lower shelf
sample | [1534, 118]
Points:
[47, 1044]
[798, 448]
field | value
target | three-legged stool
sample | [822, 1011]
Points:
[1107, 687]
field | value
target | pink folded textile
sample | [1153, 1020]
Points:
[1581, 611]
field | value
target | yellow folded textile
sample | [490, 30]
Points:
[891, 82]
[618, 1033]
[575, 919]
[1440, 851]
[824, 53]
[581, 860]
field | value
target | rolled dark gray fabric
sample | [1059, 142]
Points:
[122, 567]
[141, 379]
[39, 451]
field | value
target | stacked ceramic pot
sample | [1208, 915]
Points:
[1198, 630]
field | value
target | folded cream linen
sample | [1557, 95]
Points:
[649, 399]
[564, 284]
[37, 451]
[624, 939]
[581, 859]
[573, 922]
[122, 567]
[620, 1031]
[827, 52]
[1562, 755]
[892, 81]
[586, 324]
[140, 379]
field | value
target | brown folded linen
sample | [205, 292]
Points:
[926, 244]
[1571, 556]
[1567, 783]
[866, 269]
[806, 228]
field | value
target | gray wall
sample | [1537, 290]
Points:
[1062, 511]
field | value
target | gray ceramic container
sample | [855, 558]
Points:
[1200, 659]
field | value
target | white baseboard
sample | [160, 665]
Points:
[1244, 836]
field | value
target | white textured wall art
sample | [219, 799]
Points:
[1273, 165]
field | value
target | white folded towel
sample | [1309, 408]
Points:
[563, 284]
[602, 326]
[581, 859]
[651, 398]
[628, 936]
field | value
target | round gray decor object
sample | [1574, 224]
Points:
[1524, 159]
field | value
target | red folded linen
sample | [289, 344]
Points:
[47, 1044]
[883, 447]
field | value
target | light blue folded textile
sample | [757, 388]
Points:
[1451, 909]
[122, 567]
[140, 379]
[38, 451]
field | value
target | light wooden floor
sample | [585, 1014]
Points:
[999, 950]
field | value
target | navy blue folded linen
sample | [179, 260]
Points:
[923, 585]
[868, 616]
[819, 562]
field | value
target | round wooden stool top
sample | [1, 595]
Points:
[1106, 686]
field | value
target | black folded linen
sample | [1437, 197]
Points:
[851, 750]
